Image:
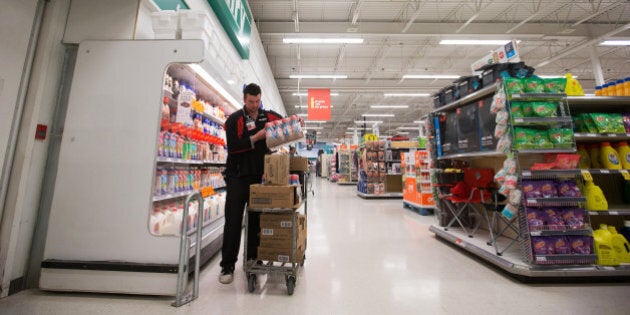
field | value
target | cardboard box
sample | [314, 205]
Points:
[281, 255]
[279, 227]
[276, 169]
[393, 183]
[298, 163]
[269, 197]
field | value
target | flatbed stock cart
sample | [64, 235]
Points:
[285, 262]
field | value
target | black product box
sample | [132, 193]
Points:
[467, 85]
[487, 125]
[492, 73]
[468, 128]
[438, 100]
[449, 94]
[448, 136]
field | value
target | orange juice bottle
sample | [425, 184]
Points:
[604, 91]
[619, 88]
[626, 86]
[598, 90]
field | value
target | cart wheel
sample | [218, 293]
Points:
[290, 284]
[303, 260]
[251, 283]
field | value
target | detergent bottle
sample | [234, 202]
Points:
[595, 199]
[624, 154]
[606, 255]
[573, 87]
[585, 159]
[625, 230]
[594, 154]
[620, 245]
[608, 157]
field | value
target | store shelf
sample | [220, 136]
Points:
[550, 174]
[212, 117]
[393, 161]
[467, 99]
[347, 183]
[528, 121]
[543, 151]
[537, 96]
[562, 232]
[208, 226]
[604, 171]
[380, 196]
[179, 194]
[178, 161]
[480, 154]
[613, 210]
[554, 202]
[214, 162]
[600, 137]
[602, 103]
[512, 262]
[566, 259]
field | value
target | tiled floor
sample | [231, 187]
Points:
[363, 257]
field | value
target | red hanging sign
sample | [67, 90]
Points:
[319, 104]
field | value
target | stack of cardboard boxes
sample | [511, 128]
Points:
[277, 229]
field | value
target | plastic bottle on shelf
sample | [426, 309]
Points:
[612, 89]
[594, 154]
[608, 157]
[606, 255]
[598, 90]
[624, 154]
[595, 199]
[626, 86]
[585, 159]
[620, 245]
[619, 88]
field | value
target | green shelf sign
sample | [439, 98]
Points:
[171, 4]
[236, 20]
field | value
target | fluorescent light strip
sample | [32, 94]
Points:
[402, 133]
[389, 106]
[306, 94]
[406, 94]
[430, 76]
[474, 42]
[419, 121]
[378, 115]
[318, 76]
[322, 40]
[208, 78]
[615, 43]
[407, 128]
[368, 121]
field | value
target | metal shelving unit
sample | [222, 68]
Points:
[471, 155]
[601, 137]
[489, 90]
[380, 196]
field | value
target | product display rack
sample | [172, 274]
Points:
[512, 260]
[99, 237]
[373, 172]
[417, 189]
[347, 168]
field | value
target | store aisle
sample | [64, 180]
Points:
[363, 257]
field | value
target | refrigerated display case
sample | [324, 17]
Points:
[126, 166]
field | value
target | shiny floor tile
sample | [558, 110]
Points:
[363, 257]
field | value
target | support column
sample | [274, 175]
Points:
[597, 66]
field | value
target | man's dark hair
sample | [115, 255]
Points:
[252, 89]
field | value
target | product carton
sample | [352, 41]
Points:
[276, 230]
[277, 169]
[298, 163]
[282, 255]
[270, 197]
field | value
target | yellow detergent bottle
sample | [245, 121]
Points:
[595, 199]
[624, 154]
[594, 154]
[608, 157]
[585, 159]
[606, 255]
[573, 87]
[620, 245]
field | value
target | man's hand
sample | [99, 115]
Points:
[260, 135]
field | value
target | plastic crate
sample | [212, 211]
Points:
[467, 85]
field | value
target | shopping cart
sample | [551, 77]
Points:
[287, 264]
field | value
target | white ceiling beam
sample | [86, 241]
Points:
[413, 17]
[596, 14]
[581, 46]
[355, 11]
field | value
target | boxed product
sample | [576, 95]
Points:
[276, 230]
[487, 124]
[268, 196]
[282, 255]
[448, 136]
[298, 163]
[277, 169]
[468, 128]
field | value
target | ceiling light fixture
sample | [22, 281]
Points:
[389, 106]
[306, 94]
[407, 128]
[406, 94]
[318, 76]
[322, 40]
[430, 76]
[402, 132]
[495, 42]
[419, 121]
[378, 115]
[368, 121]
[615, 43]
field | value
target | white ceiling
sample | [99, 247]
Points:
[402, 37]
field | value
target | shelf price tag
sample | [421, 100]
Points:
[605, 171]
[207, 192]
[625, 174]
[613, 212]
[587, 176]
[541, 258]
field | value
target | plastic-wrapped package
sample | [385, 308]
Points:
[509, 165]
[500, 131]
[515, 197]
[509, 211]
[498, 101]
[511, 182]
[503, 146]
[502, 117]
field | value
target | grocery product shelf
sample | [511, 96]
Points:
[511, 261]
[213, 162]
[467, 99]
[209, 226]
[179, 194]
[528, 121]
[561, 232]
[480, 154]
[537, 96]
[162, 159]
[543, 151]
[380, 196]
[604, 171]
[613, 210]
[603, 103]
[347, 183]
[554, 202]
[549, 174]
[599, 137]
[212, 117]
